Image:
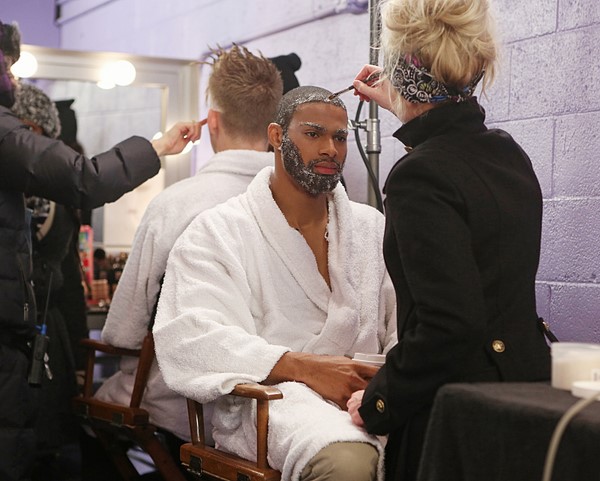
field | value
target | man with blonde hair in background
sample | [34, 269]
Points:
[243, 93]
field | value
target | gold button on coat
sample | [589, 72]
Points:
[498, 345]
[380, 405]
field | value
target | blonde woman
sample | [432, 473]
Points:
[463, 223]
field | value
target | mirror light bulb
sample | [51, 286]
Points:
[106, 81]
[26, 66]
[105, 84]
[123, 72]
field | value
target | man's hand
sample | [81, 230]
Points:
[333, 377]
[177, 137]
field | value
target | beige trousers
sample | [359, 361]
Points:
[343, 461]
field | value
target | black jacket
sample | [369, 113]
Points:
[462, 245]
[35, 165]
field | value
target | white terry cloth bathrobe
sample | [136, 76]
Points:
[242, 288]
[225, 175]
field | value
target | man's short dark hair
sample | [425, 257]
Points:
[300, 96]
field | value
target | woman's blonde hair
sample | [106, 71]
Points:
[453, 39]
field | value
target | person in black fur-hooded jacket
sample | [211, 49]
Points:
[32, 164]
[54, 236]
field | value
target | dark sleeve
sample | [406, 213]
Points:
[428, 227]
[44, 167]
[70, 300]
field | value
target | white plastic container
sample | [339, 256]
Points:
[372, 359]
[586, 389]
[574, 361]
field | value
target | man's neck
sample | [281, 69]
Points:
[301, 210]
[238, 143]
[306, 213]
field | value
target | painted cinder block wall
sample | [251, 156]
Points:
[546, 95]
[549, 103]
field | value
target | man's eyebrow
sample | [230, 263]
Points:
[314, 125]
[321, 128]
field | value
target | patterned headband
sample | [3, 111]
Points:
[417, 85]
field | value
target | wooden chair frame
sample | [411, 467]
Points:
[209, 463]
[112, 422]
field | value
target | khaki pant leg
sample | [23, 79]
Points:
[343, 461]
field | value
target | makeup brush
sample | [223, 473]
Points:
[370, 79]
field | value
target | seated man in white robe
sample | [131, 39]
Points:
[283, 285]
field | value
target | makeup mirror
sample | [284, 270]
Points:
[162, 92]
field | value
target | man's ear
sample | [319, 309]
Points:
[275, 135]
[213, 121]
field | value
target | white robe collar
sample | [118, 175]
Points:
[341, 303]
[242, 162]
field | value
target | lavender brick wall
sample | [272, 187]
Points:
[35, 19]
[546, 96]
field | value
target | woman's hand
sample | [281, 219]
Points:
[381, 91]
[177, 137]
[353, 404]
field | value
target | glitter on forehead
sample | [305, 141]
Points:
[300, 96]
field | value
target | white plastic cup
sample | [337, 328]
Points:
[372, 359]
[574, 361]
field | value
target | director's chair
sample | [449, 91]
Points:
[113, 423]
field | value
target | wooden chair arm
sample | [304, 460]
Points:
[262, 394]
[257, 391]
[115, 414]
[250, 390]
[145, 354]
[108, 348]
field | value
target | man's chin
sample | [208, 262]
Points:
[325, 185]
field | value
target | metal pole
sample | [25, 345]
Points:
[373, 128]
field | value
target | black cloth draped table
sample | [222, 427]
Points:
[501, 432]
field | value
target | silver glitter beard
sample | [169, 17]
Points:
[310, 181]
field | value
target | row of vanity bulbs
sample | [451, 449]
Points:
[121, 72]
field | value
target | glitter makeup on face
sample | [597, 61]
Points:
[312, 182]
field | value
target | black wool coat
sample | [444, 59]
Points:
[462, 245]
